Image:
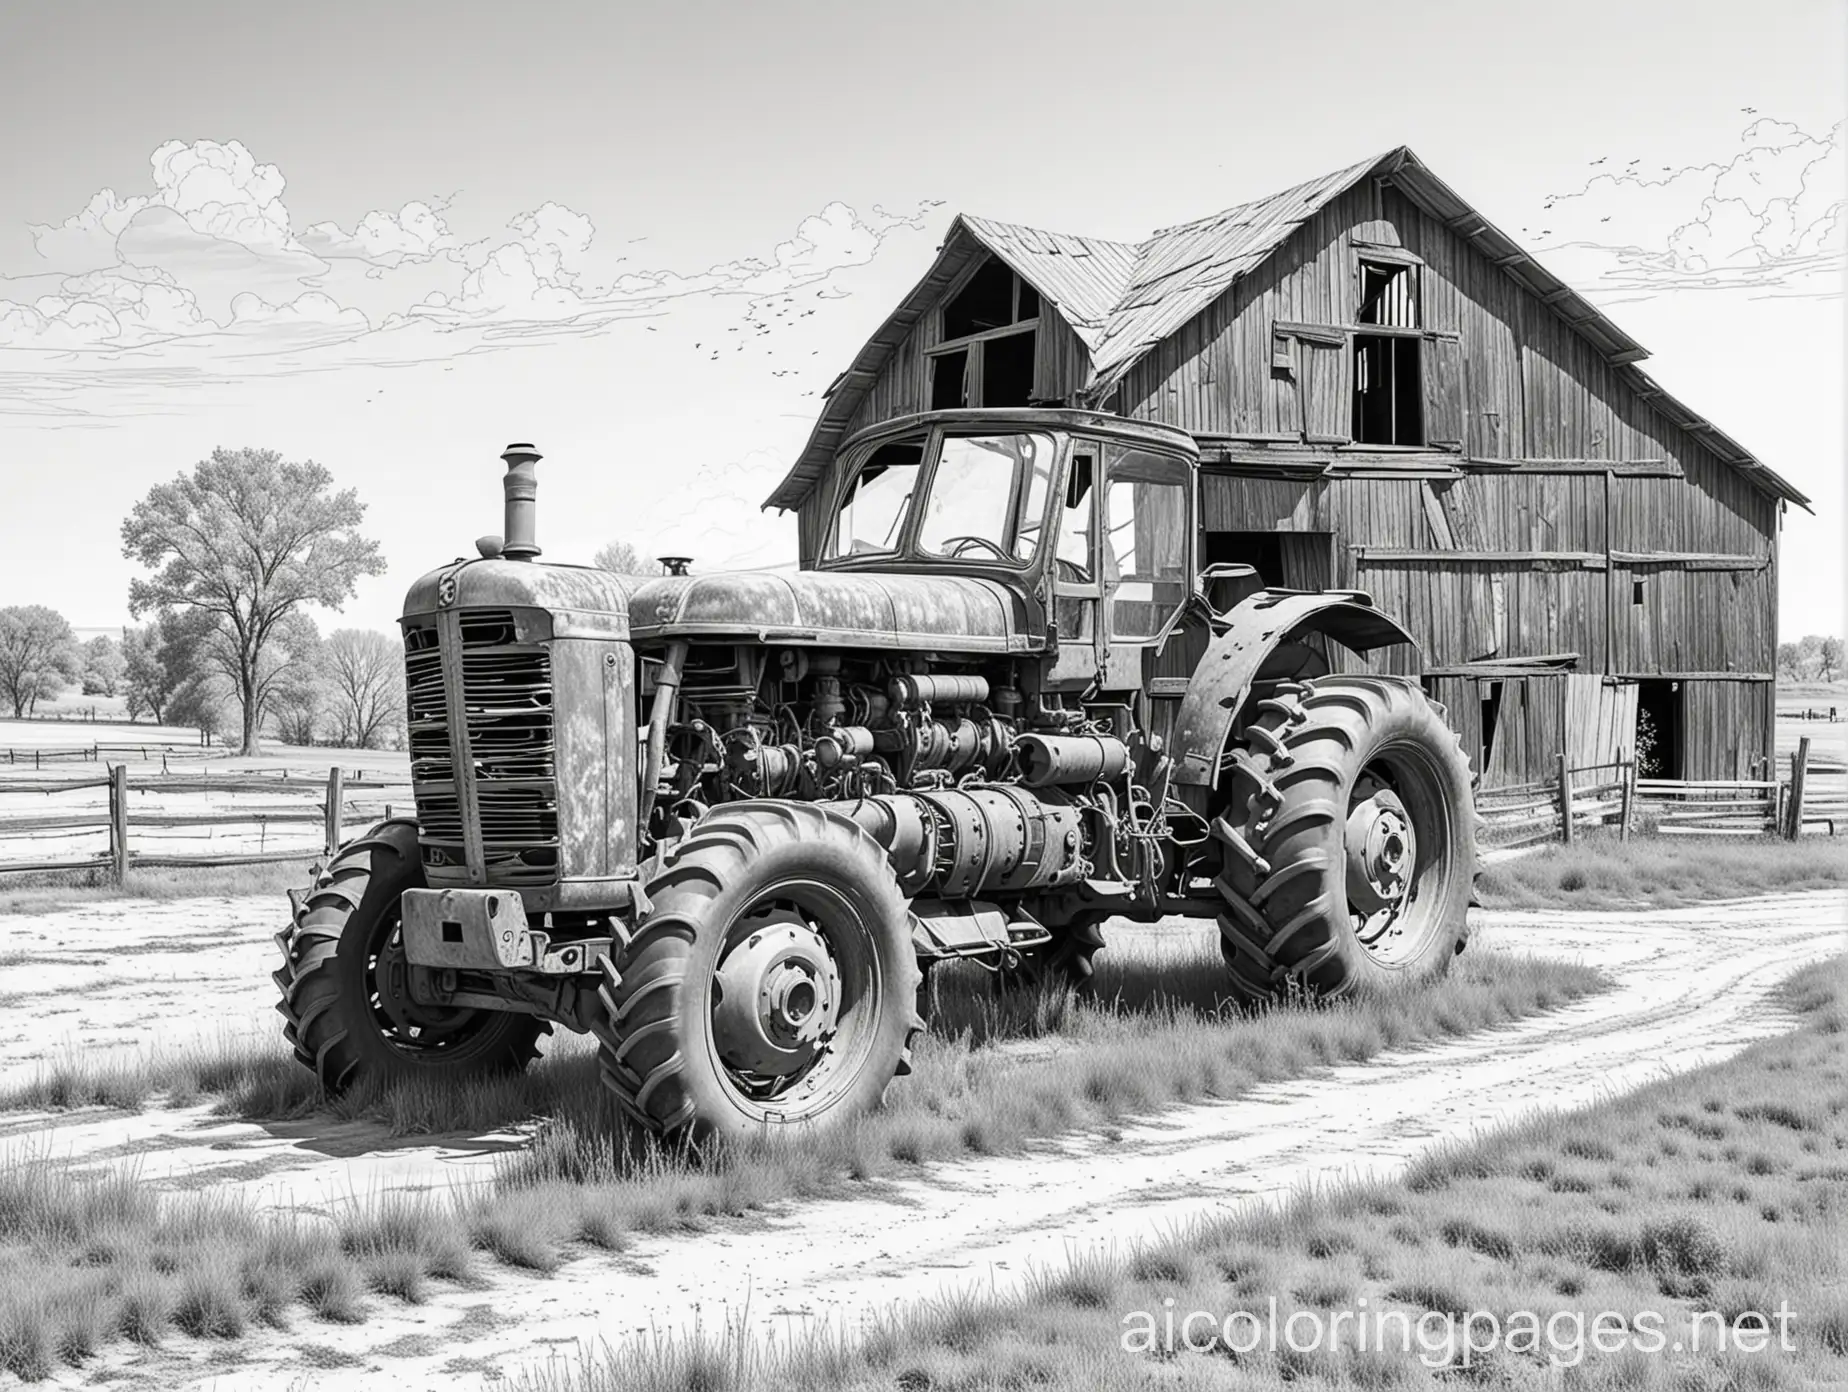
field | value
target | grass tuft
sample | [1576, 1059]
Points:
[1600, 871]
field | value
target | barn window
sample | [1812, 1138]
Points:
[987, 351]
[1388, 295]
[1388, 390]
[1388, 369]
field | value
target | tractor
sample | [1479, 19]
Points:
[727, 822]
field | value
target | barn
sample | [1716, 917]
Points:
[1390, 395]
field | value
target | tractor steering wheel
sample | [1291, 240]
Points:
[954, 546]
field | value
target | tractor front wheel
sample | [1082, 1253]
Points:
[1348, 842]
[345, 986]
[773, 983]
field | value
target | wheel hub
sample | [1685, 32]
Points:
[778, 998]
[410, 1019]
[1381, 853]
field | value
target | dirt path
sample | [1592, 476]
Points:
[1693, 988]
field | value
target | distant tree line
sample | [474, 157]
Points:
[1812, 657]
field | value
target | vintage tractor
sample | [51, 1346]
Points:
[724, 822]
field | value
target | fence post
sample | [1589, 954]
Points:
[336, 795]
[1799, 775]
[118, 823]
[1629, 796]
[1565, 800]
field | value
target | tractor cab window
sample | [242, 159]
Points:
[872, 514]
[980, 505]
[1145, 540]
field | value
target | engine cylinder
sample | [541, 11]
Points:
[952, 688]
[1048, 760]
[958, 843]
[842, 743]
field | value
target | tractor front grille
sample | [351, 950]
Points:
[505, 739]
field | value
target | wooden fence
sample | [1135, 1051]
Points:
[1812, 798]
[108, 804]
[37, 757]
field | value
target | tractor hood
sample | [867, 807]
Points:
[584, 601]
[944, 613]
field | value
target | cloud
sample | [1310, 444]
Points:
[535, 280]
[222, 192]
[1766, 217]
[202, 275]
[86, 240]
[103, 308]
[215, 268]
[415, 233]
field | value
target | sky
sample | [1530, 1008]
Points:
[393, 238]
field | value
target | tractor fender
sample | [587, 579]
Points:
[1255, 628]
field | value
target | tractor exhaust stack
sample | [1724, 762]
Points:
[520, 539]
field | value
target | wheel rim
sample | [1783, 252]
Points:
[1397, 853]
[404, 1023]
[792, 1000]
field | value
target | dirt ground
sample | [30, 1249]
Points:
[1693, 987]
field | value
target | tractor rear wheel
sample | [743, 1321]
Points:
[345, 984]
[773, 983]
[1348, 843]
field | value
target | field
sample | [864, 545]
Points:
[161, 1067]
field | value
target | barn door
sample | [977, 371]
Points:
[1599, 719]
[1443, 391]
[1503, 716]
[1326, 396]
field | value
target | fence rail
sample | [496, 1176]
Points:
[1813, 797]
[136, 824]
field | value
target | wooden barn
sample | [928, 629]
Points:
[1391, 396]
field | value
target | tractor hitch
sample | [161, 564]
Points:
[487, 930]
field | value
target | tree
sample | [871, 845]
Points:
[145, 679]
[620, 558]
[1809, 654]
[39, 656]
[1829, 659]
[1789, 660]
[247, 541]
[102, 666]
[202, 701]
[365, 673]
[297, 708]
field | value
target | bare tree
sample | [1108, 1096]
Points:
[245, 542]
[39, 656]
[621, 558]
[365, 677]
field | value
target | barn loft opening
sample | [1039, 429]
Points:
[1659, 724]
[989, 339]
[1388, 371]
[1262, 551]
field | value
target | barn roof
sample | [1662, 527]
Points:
[1123, 299]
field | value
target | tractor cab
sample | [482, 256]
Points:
[1088, 517]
